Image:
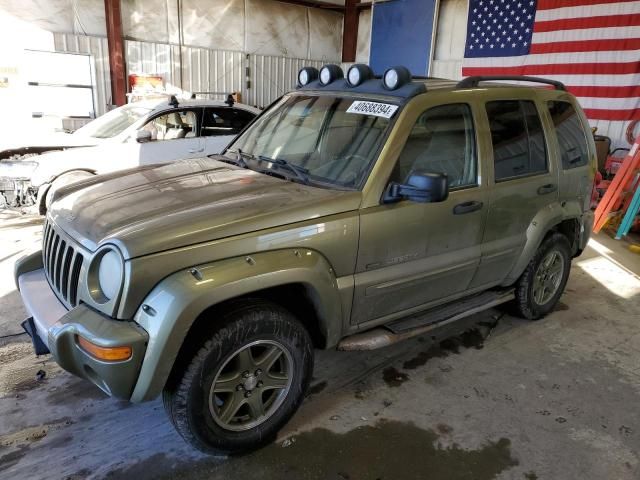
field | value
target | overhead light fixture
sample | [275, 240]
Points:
[358, 74]
[330, 73]
[395, 77]
[307, 75]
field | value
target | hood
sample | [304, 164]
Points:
[161, 207]
[42, 142]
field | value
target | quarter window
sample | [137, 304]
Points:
[571, 139]
[519, 147]
[441, 141]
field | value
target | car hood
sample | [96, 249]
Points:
[161, 207]
[36, 143]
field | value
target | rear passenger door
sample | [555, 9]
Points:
[221, 125]
[522, 184]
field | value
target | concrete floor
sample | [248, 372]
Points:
[554, 399]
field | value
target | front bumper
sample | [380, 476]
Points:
[59, 329]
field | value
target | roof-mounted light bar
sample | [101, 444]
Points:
[330, 73]
[307, 75]
[359, 73]
[395, 77]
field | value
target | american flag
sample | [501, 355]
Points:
[592, 46]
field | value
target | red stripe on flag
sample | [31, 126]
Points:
[587, 46]
[604, 114]
[605, 92]
[550, 4]
[587, 22]
[559, 69]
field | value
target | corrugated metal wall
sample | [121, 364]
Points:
[203, 69]
[273, 76]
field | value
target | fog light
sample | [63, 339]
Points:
[107, 354]
[395, 77]
[358, 74]
[307, 75]
[329, 73]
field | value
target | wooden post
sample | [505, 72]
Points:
[116, 52]
[350, 31]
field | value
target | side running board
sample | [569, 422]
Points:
[424, 322]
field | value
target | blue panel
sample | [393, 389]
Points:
[401, 35]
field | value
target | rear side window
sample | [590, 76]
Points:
[571, 139]
[519, 147]
[224, 121]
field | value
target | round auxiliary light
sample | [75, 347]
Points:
[329, 73]
[358, 74]
[395, 77]
[307, 75]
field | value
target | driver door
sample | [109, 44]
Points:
[174, 135]
[414, 255]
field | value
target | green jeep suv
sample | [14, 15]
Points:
[352, 213]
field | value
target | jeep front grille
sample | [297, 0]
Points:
[62, 264]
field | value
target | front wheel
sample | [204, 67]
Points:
[245, 382]
[542, 283]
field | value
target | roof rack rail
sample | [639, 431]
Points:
[471, 82]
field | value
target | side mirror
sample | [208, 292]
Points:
[143, 136]
[422, 187]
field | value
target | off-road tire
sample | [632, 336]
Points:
[524, 304]
[186, 402]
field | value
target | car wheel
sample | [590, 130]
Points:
[245, 382]
[542, 283]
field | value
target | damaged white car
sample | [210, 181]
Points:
[136, 134]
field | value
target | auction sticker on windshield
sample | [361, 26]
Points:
[384, 110]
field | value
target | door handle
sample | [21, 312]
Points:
[548, 188]
[467, 207]
[194, 150]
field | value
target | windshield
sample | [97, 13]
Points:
[318, 135]
[113, 123]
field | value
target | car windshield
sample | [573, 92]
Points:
[113, 123]
[326, 137]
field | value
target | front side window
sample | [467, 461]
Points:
[318, 134]
[173, 125]
[224, 121]
[517, 136]
[571, 140]
[441, 141]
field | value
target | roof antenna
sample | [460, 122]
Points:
[173, 101]
[230, 101]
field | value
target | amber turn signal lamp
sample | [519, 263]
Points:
[107, 354]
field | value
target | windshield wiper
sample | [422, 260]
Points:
[240, 161]
[300, 172]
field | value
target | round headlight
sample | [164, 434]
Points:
[395, 77]
[358, 73]
[307, 75]
[110, 272]
[329, 73]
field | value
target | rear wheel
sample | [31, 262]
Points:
[542, 283]
[245, 382]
